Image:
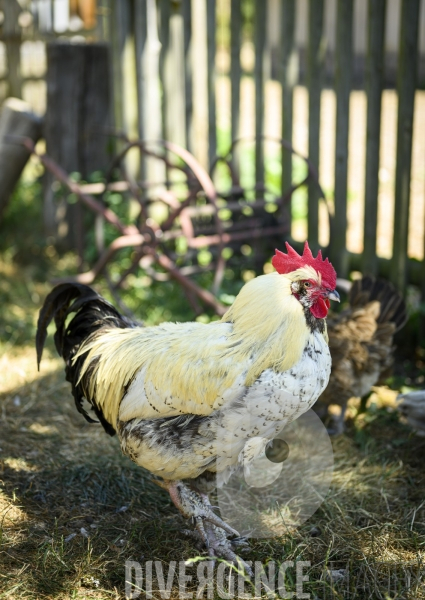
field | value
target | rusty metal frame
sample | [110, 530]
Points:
[148, 237]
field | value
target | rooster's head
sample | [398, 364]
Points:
[313, 280]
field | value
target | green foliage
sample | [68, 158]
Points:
[273, 177]
[248, 18]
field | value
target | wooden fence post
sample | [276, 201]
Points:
[260, 42]
[188, 62]
[77, 126]
[422, 319]
[140, 36]
[148, 53]
[13, 38]
[315, 58]
[172, 72]
[211, 51]
[406, 85]
[374, 84]
[200, 80]
[235, 68]
[119, 33]
[165, 62]
[288, 79]
[344, 37]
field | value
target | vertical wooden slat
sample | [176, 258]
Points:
[140, 36]
[200, 80]
[315, 59]
[94, 121]
[406, 84]
[12, 37]
[235, 65]
[288, 78]
[119, 33]
[45, 15]
[344, 38]
[103, 21]
[164, 62]
[177, 108]
[172, 72]
[152, 123]
[61, 14]
[77, 119]
[211, 51]
[374, 84]
[259, 43]
[422, 321]
[187, 34]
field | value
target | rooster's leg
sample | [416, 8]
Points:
[210, 529]
[191, 505]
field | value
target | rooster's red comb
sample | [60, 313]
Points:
[286, 263]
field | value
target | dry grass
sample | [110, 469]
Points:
[61, 476]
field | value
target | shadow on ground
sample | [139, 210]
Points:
[61, 477]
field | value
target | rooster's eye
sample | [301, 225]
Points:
[307, 284]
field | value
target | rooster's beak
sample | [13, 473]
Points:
[334, 296]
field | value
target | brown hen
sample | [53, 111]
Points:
[361, 343]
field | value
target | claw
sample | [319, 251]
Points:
[221, 546]
[201, 530]
[215, 520]
[240, 541]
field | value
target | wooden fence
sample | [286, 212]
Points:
[165, 59]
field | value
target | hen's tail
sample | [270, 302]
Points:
[392, 306]
[92, 314]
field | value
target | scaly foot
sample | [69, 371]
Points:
[210, 529]
[218, 544]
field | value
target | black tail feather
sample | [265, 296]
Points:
[368, 289]
[92, 313]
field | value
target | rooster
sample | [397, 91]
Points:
[171, 391]
[361, 343]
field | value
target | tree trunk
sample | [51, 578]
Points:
[16, 120]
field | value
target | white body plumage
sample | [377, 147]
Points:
[188, 398]
[219, 441]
